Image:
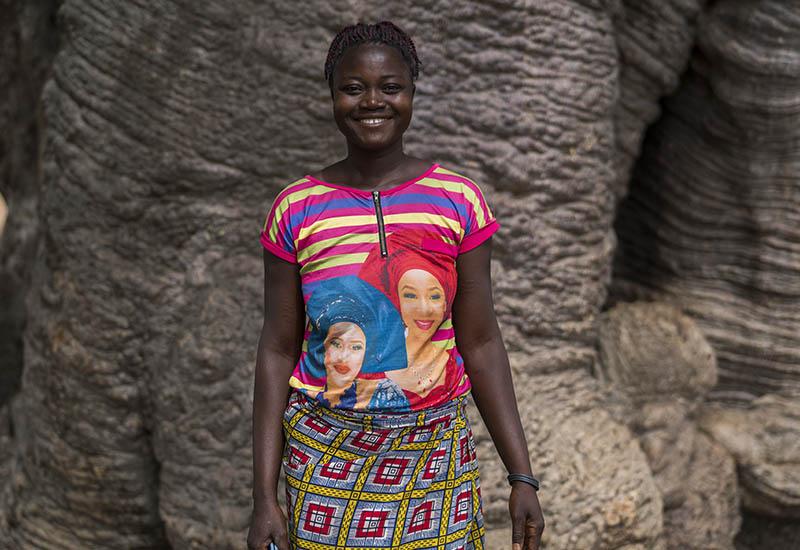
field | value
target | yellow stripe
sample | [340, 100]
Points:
[334, 261]
[332, 223]
[357, 221]
[432, 219]
[295, 382]
[309, 251]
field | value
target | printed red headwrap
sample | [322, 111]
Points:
[406, 251]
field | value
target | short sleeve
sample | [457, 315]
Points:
[276, 233]
[480, 223]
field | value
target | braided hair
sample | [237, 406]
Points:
[384, 32]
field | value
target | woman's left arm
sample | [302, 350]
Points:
[481, 346]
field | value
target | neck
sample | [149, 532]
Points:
[370, 168]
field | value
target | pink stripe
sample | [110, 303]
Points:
[443, 334]
[385, 192]
[329, 272]
[275, 249]
[306, 378]
[340, 249]
[391, 227]
[422, 209]
[477, 237]
[332, 213]
[323, 234]
[335, 194]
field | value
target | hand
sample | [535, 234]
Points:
[527, 522]
[267, 525]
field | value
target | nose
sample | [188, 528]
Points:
[372, 99]
[427, 306]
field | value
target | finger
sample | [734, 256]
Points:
[517, 533]
[532, 535]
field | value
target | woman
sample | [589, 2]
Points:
[420, 280]
[379, 478]
[355, 335]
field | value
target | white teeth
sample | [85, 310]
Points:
[372, 120]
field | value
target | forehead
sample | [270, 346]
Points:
[344, 329]
[418, 277]
[372, 60]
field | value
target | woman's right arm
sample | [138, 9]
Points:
[278, 350]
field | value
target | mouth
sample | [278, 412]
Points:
[423, 325]
[341, 369]
[373, 122]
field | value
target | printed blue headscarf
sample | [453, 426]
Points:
[350, 299]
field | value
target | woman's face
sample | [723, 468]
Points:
[344, 354]
[422, 302]
[372, 96]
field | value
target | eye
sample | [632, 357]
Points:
[336, 343]
[351, 90]
[436, 296]
[392, 89]
[357, 347]
[409, 295]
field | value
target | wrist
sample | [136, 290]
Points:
[265, 498]
[523, 479]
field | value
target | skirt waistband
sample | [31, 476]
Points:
[366, 420]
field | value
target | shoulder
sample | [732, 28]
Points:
[294, 190]
[458, 187]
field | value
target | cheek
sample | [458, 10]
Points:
[357, 358]
[407, 307]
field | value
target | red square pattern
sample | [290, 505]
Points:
[444, 421]
[316, 426]
[434, 463]
[336, 470]
[463, 501]
[319, 519]
[372, 523]
[370, 441]
[297, 458]
[421, 517]
[466, 452]
[391, 470]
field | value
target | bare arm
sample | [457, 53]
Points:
[486, 361]
[278, 350]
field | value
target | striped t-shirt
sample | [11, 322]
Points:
[378, 278]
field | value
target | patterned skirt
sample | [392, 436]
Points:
[358, 480]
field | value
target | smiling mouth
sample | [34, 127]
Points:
[341, 369]
[372, 122]
[423, 325]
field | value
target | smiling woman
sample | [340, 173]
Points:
[376, 446]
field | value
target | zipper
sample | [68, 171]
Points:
[376, 198]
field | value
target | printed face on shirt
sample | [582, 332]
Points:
[422, 303]
[345, 345]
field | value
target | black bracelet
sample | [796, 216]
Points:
[530, 480]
